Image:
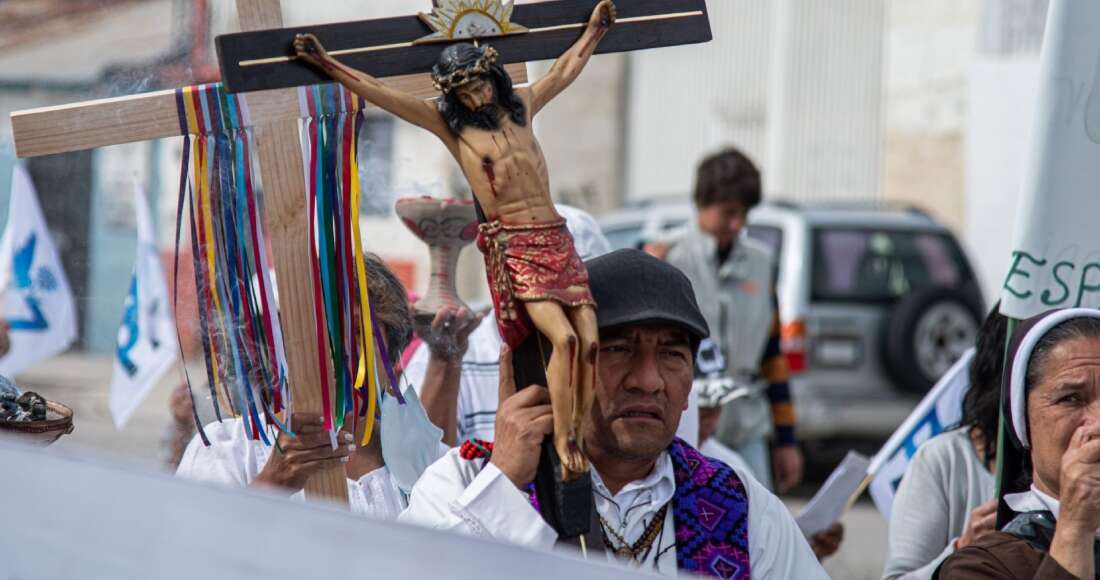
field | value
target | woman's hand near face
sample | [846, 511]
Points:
[1080, 489]
[1079, 496]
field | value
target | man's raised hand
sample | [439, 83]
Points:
[448, 334]
[296, 459]
[524, 419]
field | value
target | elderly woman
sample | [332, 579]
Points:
[1054, 416]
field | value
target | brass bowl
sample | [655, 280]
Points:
[59, 421]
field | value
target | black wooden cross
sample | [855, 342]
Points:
[261, 59]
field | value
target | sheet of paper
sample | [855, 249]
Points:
[829, 503]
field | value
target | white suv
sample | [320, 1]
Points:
[876, 303]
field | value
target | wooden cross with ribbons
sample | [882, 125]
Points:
[258, 59]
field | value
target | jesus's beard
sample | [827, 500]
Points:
[458, 116]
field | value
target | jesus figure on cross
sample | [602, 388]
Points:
[535, 275]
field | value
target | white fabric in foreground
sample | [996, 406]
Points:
[234, 460]
[123, 523]
[475, 498]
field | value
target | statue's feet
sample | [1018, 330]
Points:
[573, 462]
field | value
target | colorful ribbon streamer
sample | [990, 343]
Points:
[241, 336]
[347, 334]
[242, 339]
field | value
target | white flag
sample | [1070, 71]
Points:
[1055, 249]
[940, 409]
[37, 301]
[147, 336]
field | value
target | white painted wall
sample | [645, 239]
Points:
[684, 102]
[795, 84]
[825, 99]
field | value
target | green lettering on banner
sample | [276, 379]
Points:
[1045, 296]
[1019, 255]
[1086, 287]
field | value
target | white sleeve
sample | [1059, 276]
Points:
[919, 521]
[222, 462]
[449, 496]
[777, 548]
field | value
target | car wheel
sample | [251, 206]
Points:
[927, 332]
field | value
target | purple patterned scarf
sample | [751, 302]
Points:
[711, 512]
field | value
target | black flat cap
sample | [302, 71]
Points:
[632, 287]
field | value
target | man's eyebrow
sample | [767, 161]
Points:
[675, 338]
[620, 333]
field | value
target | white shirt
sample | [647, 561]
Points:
[714, 449]
[475, 498]
[235, 460]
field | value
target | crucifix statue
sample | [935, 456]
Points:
[398, 52]
[535, 276]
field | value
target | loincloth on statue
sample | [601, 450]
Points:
[530, 263]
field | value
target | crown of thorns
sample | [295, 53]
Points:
[462, 76]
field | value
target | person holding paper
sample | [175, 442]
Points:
[944, 501]
[1053, 415]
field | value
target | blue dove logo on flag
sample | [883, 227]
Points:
[28, 287]
[940, 409]
[146, 345]
[37, 302]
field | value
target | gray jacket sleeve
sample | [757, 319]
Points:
[919, 521]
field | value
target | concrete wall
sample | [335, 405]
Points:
[684, 102]
[930, 47]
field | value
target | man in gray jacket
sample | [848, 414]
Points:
[733, 280]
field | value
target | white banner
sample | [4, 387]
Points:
[37, 301]
[146, 346]
[67, 517]
[940, 409]
[1056, 249]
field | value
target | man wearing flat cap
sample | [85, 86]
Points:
[662, 506]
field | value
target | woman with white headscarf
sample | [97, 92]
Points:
[1053, 410]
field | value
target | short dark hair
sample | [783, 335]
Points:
[980, 409]
[727, 175]
[389, 303]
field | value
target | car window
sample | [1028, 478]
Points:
[623, 237]
[769, 235]
[873, 264]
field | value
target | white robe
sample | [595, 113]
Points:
[475, 498]
[235, 460]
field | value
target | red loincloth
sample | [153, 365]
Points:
[529, 263]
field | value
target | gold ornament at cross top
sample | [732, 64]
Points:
[469, 19]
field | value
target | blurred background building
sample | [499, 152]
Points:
[921, 102]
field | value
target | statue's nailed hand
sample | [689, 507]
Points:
[604, 15]
[309, 49]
